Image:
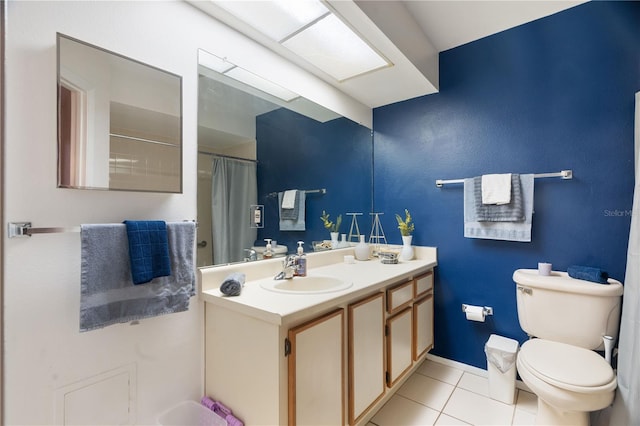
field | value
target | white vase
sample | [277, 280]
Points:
[362, 249]
[407, 250]
[334, 240]
[343, 241]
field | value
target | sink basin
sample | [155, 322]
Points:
[306, 285]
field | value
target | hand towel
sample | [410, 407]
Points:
[232, 285]
[148, 250]
[290, 208]
[107, 293]
[509, 231]
[588, 273]
[297, 224]
[511, 212]
[496, 188]
[289, 198]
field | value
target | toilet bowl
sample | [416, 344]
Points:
[570, 381]
[566, 319]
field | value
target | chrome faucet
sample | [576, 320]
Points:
[289, 267]
[250, 255]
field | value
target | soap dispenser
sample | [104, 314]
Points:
[301, 259]
[268, 253]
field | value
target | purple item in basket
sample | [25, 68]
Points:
[208, 402]
[233, 421]
[226, 414]
[221, 410]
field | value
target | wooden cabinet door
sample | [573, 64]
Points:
[399, 345]
[316, 371]
[422, 326]
[366, 355]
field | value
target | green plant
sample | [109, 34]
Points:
[328, 224]
[405, 226]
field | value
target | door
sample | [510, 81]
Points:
[316, 371]
[399, 345]
[422, 326]
[366, 355]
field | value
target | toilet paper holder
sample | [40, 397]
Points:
[488, 310]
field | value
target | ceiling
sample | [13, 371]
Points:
[410, 33]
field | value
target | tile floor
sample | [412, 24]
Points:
[437, 394]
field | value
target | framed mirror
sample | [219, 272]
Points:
[119, 121]
[255, 141]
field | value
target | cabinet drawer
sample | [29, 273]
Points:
[423, 284]
[399, 296]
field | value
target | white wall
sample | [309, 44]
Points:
[44, 351]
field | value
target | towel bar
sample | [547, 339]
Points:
[321, 191]
[564, 174]
[24, 229]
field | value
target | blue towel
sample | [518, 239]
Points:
[297, 224]
[232, 285]
[148, 250]
[107, 293]
[588, 273]
[291, 214]
[512, 212]
[509, 231]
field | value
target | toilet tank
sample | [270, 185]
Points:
[563, 309]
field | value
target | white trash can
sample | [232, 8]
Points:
[190, 413]
[501, 365]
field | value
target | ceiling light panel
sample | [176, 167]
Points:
[276, 19]
[332, 46]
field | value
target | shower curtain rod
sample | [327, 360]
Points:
[213, 154]
[564, 174]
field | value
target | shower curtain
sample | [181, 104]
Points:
[626, 407]
[234, 189]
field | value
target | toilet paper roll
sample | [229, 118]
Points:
[474, 313]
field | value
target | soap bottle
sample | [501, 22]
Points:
[301, 260]
[268, 253]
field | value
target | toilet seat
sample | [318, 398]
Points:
[567, 367]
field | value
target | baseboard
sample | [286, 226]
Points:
[470, 369]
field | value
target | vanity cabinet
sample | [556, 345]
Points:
[316, 371]
[333, 363]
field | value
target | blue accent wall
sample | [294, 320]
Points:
[554, 94]
[296, 152]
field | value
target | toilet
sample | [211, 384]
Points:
[567, 319]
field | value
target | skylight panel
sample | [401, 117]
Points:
[333, 47]
[276, 19]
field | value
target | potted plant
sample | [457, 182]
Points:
[406, 227]
[332, 227]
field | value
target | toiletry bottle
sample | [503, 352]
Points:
[268, 253]
[301, 270]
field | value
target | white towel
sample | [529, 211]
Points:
[289, 199]
[496, 189]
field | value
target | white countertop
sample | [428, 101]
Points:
[277, 308]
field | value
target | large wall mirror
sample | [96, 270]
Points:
[257, 140]
[119, 122]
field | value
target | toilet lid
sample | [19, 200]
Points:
[565, 365]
